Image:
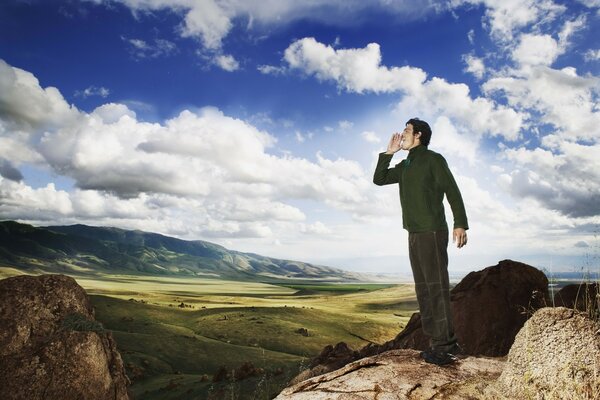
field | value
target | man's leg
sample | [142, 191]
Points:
[429, 251]
[421, 286]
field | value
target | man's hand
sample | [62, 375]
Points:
[395, 143]
[459, 236]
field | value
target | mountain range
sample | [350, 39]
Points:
[83, 249]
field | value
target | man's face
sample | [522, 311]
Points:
[408, 138]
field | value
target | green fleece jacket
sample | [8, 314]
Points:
[423, 178]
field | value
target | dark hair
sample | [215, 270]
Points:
[423, 127]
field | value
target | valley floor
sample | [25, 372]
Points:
[197, 338]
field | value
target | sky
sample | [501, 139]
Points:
[257, 124]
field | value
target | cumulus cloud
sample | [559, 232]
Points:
[475, 65]
[203, 160]
[447, 139]
[567, 180]
[354, 70]
[26, 105]
[562, 98]
[360, 70]
[537, 50]
[559, 109]
[543, 49]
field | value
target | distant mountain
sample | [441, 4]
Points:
[85, 249]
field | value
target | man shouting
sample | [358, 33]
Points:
[423, 179]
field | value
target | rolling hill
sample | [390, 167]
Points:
[86, 249]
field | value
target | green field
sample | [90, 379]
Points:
[176, 334]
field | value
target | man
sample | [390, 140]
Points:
[424, 178]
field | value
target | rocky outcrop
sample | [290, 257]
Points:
[398, 375]
[555, 356]
[51, 347]
[489, 308]
[584, 297]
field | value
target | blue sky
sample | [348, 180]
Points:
[257, 124]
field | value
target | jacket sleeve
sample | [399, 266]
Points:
[384, 175]
[445, 180]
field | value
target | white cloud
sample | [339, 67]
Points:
[354, 70]
[270, 70]
[93, 91]
[211, 21]
[112, 112]
[141, 49]
[471, 36]
[590, 3]
[24, 104]
[217, 165]
[317, 228]
[536, 50]
[567, 180]
[475, 65]
[505, 17]
[227, 62]
[360, 70]
[592, 55]
[480, 116]
[561, 97]
[370, 137]
[301, 137]
[542, 49]
[447, 140]
[207, 21]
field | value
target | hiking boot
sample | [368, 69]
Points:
[438, 357]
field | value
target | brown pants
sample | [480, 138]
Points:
[428, 252]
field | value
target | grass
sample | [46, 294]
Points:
[175, 334]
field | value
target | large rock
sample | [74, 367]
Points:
[398, 375]
[555, 356]
[50, 345]
[584, 297]
[489, 308]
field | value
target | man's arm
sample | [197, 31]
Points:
[384, 175]
[445, 179]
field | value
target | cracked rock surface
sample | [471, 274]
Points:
[41, 357]
[399, 374]
[555, 356]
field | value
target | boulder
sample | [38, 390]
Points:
[489, 307]
[398, 375]
[584, 297]
[556, 355]
[51, 347]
